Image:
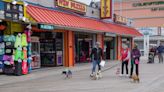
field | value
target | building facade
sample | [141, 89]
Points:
[64, 35]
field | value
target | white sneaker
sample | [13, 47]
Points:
[121, 75]
[127, 75]
[91, 75]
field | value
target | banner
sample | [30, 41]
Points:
[106, 9]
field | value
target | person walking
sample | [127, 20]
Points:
[135, 58]
[125, 57]
[160, 51]
[96, 57]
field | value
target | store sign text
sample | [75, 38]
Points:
[45, 27]
[157, 9]
[122, 20]
[148, 4]
[72, 5]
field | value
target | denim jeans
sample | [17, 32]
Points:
[95, 63]
[160, 56]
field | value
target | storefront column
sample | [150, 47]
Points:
[132, 43]
[119, 47]
[69, 48]
[100, 38]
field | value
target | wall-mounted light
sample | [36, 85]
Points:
[14, 2]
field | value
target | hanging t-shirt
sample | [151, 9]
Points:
[18, 41]
[24, 40]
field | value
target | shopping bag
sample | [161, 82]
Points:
[102, 63]
[136, 61]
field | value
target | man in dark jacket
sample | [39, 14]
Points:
[96, 56]
[160, 51]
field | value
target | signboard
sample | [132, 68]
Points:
[46, 27]
[106, 9]
[72, 5]
[122, 20]
[1, 10]
[13, 12]
[110, 34]
[148, 3]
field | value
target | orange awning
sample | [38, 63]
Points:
[48, 16]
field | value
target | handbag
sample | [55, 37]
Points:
[102, 63]
[136, 61]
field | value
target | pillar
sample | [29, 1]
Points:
[132, 43]
[100, 38]
[119, 47]
[69, 48]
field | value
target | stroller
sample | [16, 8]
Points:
[152, 54]
[151, 57]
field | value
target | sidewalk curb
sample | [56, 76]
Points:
[39, 74]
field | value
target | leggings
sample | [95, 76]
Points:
[126, 65]
[132, 67]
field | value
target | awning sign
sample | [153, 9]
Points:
[72, 5]
[46, 27]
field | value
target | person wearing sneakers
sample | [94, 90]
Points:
[125, 56]
[96, 57]
[135, 58]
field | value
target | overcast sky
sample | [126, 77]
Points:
[86, 1]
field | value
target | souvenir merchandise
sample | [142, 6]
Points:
[15, 52]
[2, 48]
[8, 69]
[18, 41]
[29, 49]
[9, 38]
[9, 45]
[24, 53]
[9, 51]
[18, 67]
[2, 51]
[2, 45]
[24, 67]
[18, 54]
[1, 57]
[28, 34]
[24, 40]
[7, 57]
[1, 64]
[1, 38]
[29, 60]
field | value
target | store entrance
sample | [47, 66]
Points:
[51, 48]
[109, 48]
[83, 45]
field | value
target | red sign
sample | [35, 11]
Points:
[72, 5]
